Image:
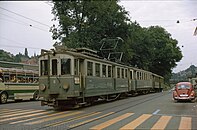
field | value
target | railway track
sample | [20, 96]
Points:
[135, 103]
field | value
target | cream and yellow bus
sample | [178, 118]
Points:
[18, 84]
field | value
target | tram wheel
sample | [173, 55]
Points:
[3, 98]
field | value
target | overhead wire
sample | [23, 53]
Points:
[15, 20]
[20, 43]
[29, 25]
[24, 17]
[21, 22]
[18, 46]
[175, 21]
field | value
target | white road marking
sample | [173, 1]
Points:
[154, 113]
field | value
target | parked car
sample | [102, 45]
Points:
[184, 91]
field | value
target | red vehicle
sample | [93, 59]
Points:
[184, 91]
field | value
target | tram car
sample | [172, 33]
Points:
[75, 77]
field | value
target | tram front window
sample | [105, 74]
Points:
[65, 66]
[44, 67]
[54, 67]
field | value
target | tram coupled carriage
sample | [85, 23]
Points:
[76, 77]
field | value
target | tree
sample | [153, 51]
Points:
[26, 52]
[6, 56]
[165, 51]
[85, 23]
[18, 57]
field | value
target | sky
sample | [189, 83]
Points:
[26, 24]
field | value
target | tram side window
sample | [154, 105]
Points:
[123, 73]
[44, 67]
[76, 67]
[65, 66]
[138, 76]
[104, 70]
[54, 67]
[97, 69]
[131, 74]
[118, 72]
[109, 71]
[89, 68]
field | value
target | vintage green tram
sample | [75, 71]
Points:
[74, 77]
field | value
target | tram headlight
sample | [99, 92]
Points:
[66, 86]
[42, 87]
[76, 79]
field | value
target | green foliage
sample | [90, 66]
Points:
[165, 51]
[5, 56]
[18, 57]
[26, 52]
[86, 23]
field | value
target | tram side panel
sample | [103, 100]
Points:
[97, 86]
[121, 79]
[98, 81]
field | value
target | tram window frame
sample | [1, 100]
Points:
[109, 71]
[97, 69]
[140, 75]
[104, 71]
[118, 72]
[89, 68]
[137, 75]
[131, 74]
[126, 73]
[76, 67]
[65, 66]
[44, 67]
[54, 64]
[122, 73]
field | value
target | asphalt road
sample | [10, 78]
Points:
[151, 111]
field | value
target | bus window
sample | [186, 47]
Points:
[44, 67]
[109, 71]
[54, 67]
[65, 66]
[104, 70]
[89, 68]
[97, 69]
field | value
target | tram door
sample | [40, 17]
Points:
[82, 75]
[132, 81]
